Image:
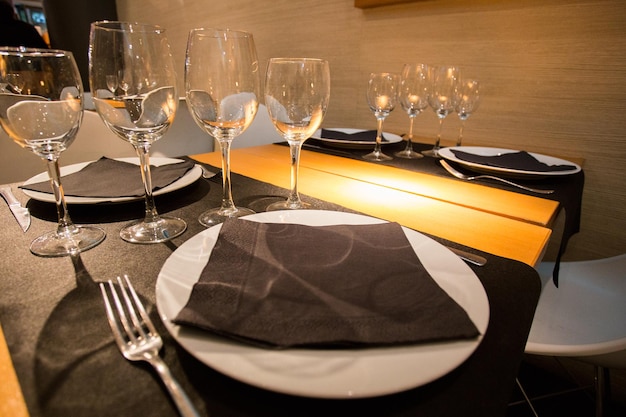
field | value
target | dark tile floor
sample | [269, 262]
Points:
[556, 392]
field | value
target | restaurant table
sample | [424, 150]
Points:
[67, 364]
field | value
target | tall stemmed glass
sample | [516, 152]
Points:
[467, 101]
[441, 98]
[141, 109]
[297, 91]
[413, 96]
[382, 97]
[222, 84]
[43, 115]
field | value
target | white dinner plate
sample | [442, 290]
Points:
[447, 153]
[189, 178]
[354, 144]
[324, 373]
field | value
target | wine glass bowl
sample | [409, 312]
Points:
[442, 98]
[140, 109]
[382, 98]
[45, 120]
[467, 102]
[297, 92]
[222, 88]
[413, 97]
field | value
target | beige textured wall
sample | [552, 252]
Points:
[553, 74]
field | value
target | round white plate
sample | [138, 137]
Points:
[324, 373]
[189, 178]
[447, 153]
[354, 144]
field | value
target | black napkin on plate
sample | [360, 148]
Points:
[109, 178]
[362, 136]
[287, 285]
[521, 161]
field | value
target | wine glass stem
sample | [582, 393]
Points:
[458, 142]
[227, 194]
[379, 134]
[437, 143]
[294, 196]
[409, 142]
[65, 224]
[143, 152]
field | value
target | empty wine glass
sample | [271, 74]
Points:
[297, 91]
[467, 101]
[382, 97]
[141, 110]
[45, 120]
[413, 96]
[222, 84]
[441, 99]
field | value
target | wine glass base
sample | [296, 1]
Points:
[288, 205]
[377, 156]
[219, 215]
[161, 230]
[80, 239]
[431, 152]
[408, 154]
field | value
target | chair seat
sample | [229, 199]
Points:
[585, 317]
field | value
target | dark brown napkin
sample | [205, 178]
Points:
[109, 178]
[363, 136]
[287, 285]
[521, 161]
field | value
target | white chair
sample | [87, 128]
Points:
[585, 317]
[186, 138]
[260, 132]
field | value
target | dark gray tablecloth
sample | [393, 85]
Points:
[68, 364]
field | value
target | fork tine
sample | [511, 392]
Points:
[121, 313]
[111, 316]
[137, 329]
[142, 311]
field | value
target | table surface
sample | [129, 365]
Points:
[500, 223]
[504, 223]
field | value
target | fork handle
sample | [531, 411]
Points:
[532, 190]
[182, 401]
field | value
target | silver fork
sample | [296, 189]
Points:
[462, 176]
[138, 339]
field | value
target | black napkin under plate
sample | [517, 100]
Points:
[287, 285]
[521, 161]
[110, 178]
[361, 136]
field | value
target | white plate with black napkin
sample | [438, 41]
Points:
[352, 370]
[508, 162]
[116, 180]
[353, 138]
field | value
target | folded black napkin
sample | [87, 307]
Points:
[109, 178]
[521, 161]
[363, 136]
[288, 285]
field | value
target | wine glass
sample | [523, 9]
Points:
[382, 97]
[413, 96]
[45, 120]
[467, 101]
[297, 91]
[222, 84]
[441, 99]
[141, 110]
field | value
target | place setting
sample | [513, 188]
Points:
[281, 342]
